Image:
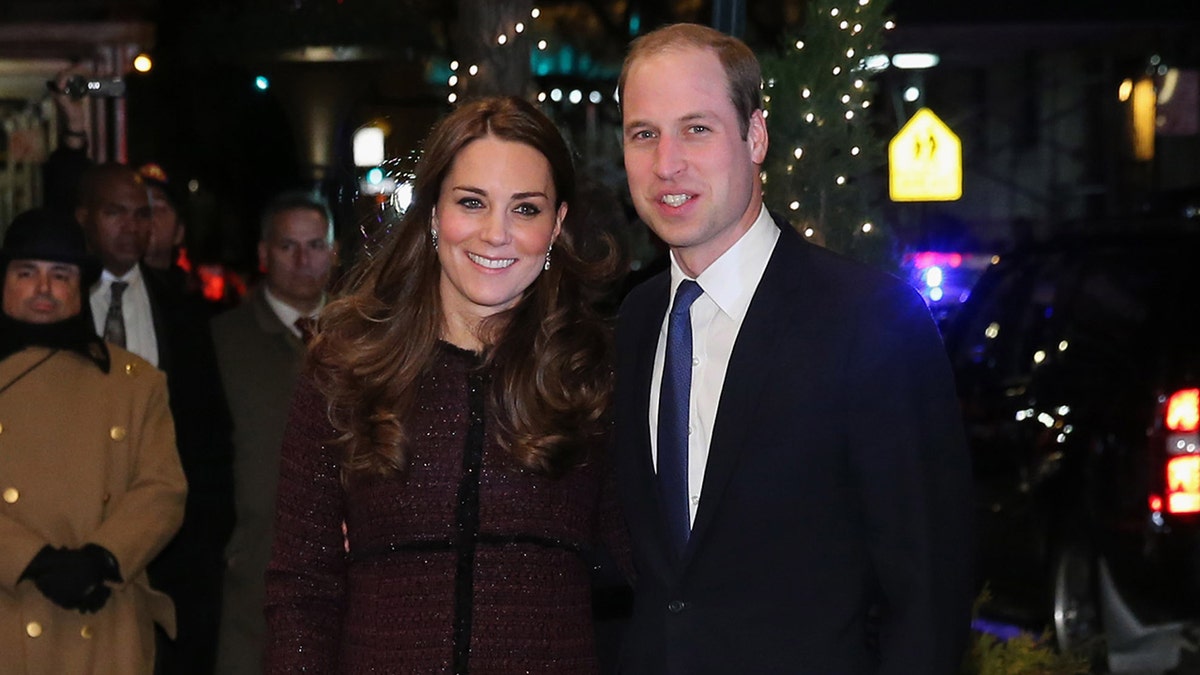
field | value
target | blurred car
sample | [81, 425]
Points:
[1078, 371]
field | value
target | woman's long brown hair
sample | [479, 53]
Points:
[549, 356]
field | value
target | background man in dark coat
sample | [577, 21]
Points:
[154, 319]
[260, 352]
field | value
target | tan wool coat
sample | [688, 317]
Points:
[84, 457]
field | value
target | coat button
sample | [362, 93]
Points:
[1, 428]
[11, 495]
[131, 368]
[676, 606]
[86, 632]
[33, 629]
[117, 433]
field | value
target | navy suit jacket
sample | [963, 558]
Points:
[834, 530]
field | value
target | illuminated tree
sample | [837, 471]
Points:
[825, 154]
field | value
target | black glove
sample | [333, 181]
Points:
[74, 578]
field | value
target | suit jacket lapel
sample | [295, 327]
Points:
[647, 325]
[750, 365]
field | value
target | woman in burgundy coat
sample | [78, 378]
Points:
[442, 480]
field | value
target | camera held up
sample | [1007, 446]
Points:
[78, 87]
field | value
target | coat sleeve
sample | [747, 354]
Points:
[149, 510]
[909, 457]
[18, 545]
[306, 578]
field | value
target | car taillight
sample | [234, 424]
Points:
[1183, 484]
[1183, 410]
[1181, 416]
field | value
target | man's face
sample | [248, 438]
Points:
[693, 178]
[166, 230]
[298, 257]
[117, 222]
[40, 291]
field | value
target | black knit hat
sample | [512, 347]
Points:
[46, 234]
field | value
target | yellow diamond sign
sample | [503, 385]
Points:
[925, 161]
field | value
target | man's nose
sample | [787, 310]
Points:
[668, 157]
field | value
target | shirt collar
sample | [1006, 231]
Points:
[132, 277]
[731, 279]
[286, 313]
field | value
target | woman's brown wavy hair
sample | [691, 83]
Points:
[549, 356]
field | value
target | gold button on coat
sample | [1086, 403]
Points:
[86, 632]
[33, 629]
[117, 433]
[131, 368]
[11, 495]
[1, 428]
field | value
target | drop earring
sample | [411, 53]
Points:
[547, 265]
[433, 236]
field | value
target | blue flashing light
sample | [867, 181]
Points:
[261, 83]
[635, 23]
[934, 277]
[375, 176]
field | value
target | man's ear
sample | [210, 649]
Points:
[756, 136]
[263, 249]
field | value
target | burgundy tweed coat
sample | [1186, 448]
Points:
[463, 563]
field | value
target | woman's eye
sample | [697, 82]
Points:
[527, 209]
[471, 203]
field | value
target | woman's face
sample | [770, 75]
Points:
[495, 220]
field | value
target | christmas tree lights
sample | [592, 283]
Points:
[818, 94]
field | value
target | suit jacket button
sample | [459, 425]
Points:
[86, 632]
[676, 606]
[117, 433]
[33, 629]
[11, 495]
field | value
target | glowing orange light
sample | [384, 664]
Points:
[1156, 503]
[1183, 484]
[1183, 410]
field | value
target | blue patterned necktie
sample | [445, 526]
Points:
[673, 409]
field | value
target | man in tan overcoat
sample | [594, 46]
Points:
[91, 486]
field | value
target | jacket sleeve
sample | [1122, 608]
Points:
[306, 578]
[911, 464]
[149, 510]
[18, 545]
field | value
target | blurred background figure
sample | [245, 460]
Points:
[92, 485]
[260, 348]
[140, 311]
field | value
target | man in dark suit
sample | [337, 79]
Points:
[788, 445]
[260, 352]
[145, 313]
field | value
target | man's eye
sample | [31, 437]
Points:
[697, 129]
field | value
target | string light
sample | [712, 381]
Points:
[841, 180]
[867, 227]
[473, 70]
[452, 97]
[535, 13]
[855, 150]
[834, 11]
[799, 44]
[809, 117]
[849, 114]
[452, 81]
[837, 70]
[844, 25]
[850, 53]
[541, 45]
[806, 92]
[809, 232]
[520, 27]
[795, 206]
[889, 24]
[845, 98]
[798, 153]
[501, 39]
[454, 65]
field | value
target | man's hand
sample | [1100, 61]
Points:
[74, 578]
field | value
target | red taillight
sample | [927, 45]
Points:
[1156, 503]
[1183, 410]
[1183, 484]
